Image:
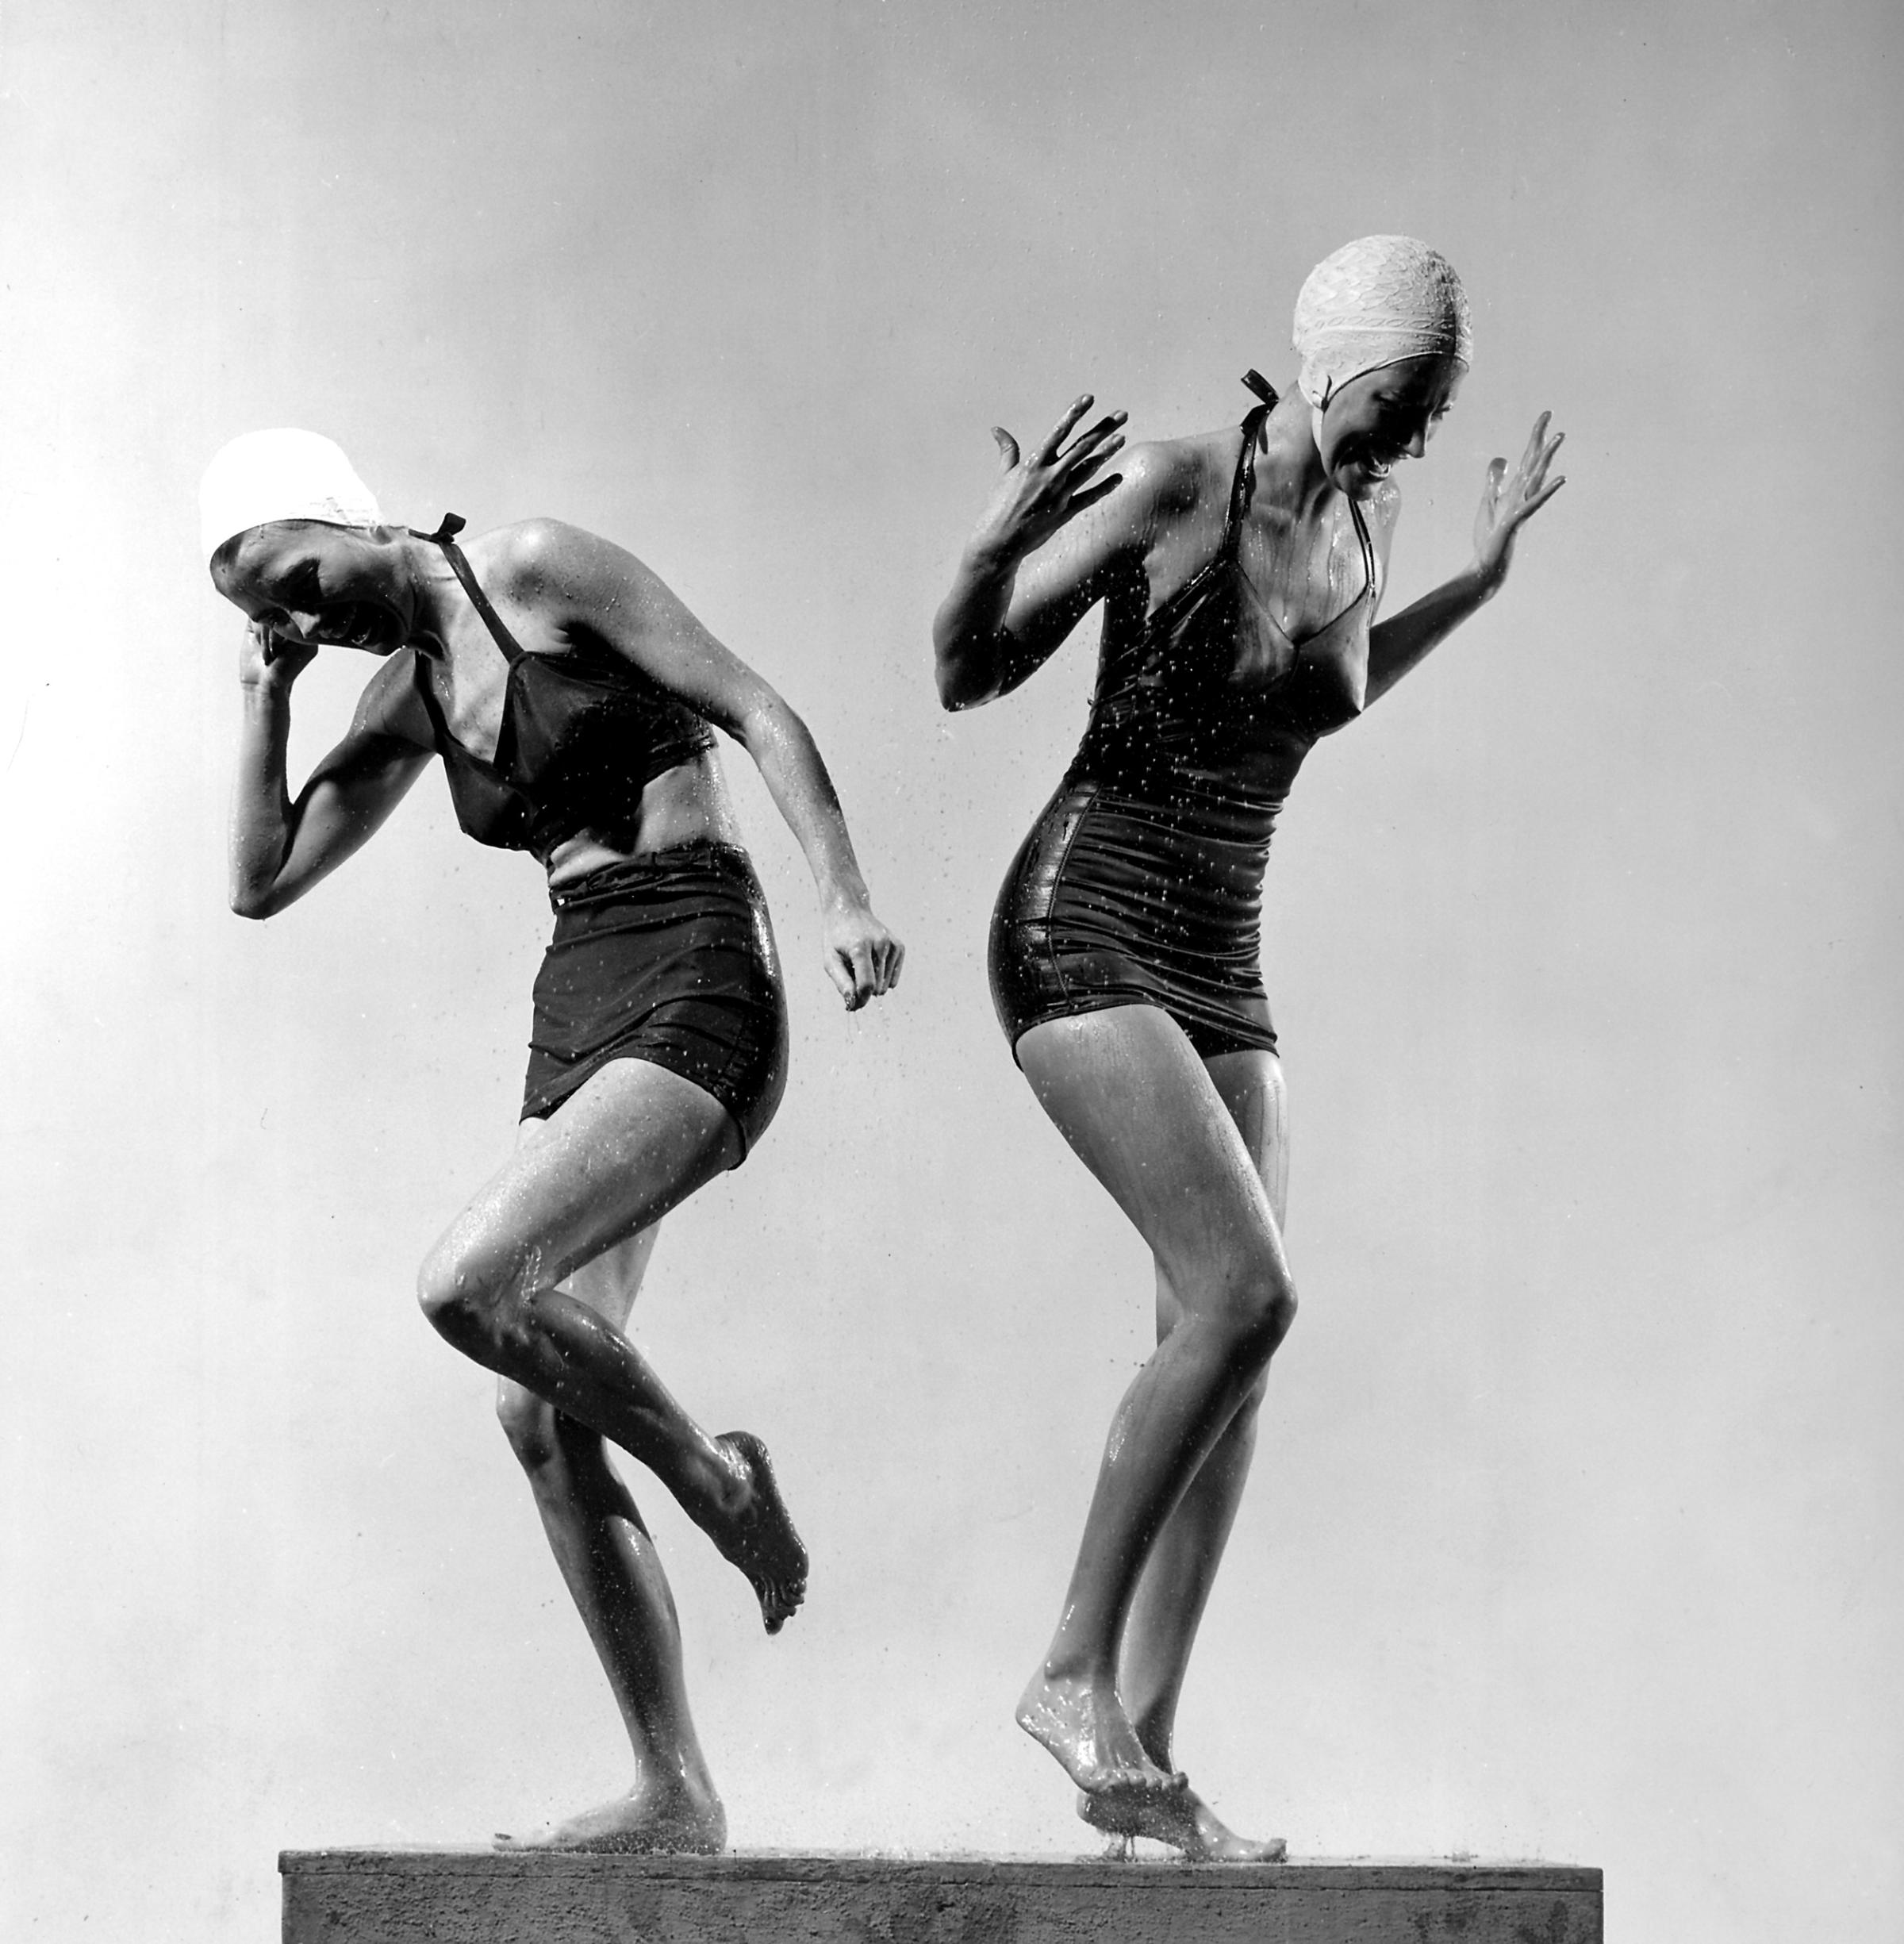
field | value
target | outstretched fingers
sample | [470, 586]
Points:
[1062, 430]
[1536, 440]
[1535, 502]
[1091, 448]
[1041, 486]
[1094, 447]
[1075, 463]
[1512, 496]
[1535, 488]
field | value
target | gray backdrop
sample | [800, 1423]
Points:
[1571, 1531]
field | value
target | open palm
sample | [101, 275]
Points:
[1509, 499]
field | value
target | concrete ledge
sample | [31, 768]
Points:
[482, 1896]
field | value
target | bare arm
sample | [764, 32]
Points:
[1397, 644]
[1039, 558]
[587, 584]
[280, 848]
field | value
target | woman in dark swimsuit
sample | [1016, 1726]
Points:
[1240, 571]
[568, 692]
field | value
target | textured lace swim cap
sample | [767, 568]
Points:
[1375, 302]
[284, 475]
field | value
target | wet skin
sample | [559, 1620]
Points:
[615, 1577]
[1193, 1151]
[535, 1278]
[1382, 417]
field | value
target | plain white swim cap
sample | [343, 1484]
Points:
[1374, 302]
[284, 475]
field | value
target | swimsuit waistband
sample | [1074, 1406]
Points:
[647, 867]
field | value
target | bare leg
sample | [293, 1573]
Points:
[635, 1141]
[1181, 1569]
[1127, 1091]
[615, 1577]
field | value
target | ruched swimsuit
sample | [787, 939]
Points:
[1140, 883]
[668, 956]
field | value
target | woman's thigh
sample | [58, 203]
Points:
[608, 1283]
[1158, 1128]
[633, 1142]
[1252, 1087]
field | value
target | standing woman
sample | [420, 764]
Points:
[568, 693]
[1240, 570]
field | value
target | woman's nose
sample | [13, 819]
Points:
[304, 624]
[1418, 445]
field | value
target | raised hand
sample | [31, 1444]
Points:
[863, 957]
[1508, 500]
[1039, 491]
[267, 659]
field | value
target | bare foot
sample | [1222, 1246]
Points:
[760, 1539]
[644, 1822]
[1089, 1733]
[1177, 1816]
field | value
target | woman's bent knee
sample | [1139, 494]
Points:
[528, 1422]
[1259, 1309]
[446, 1294]
[1281, 1316]
[467, 1301]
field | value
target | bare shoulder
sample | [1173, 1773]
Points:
[1190, 479]
[1195, 475]
[1168, 476]
[574, 579]
[1158, 482]
[541, 556]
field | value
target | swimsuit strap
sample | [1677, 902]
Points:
[1242, 488]
[452, 524]
[1258, 383]
[1362, 533]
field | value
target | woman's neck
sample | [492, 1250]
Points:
[433, 591]
[1301, 484]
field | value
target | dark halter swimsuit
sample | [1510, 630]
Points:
[1140, 883]
[667, 956]
[582, 735]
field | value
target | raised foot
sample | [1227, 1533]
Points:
[641, 1823]
[1175, 1815]
[1086, 1729]
[760, 1538]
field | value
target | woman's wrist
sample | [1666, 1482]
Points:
[992, 559]
[841, 892]
[268, 691]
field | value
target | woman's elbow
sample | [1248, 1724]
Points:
[764, 725]
[256, 900]
[959, 685]
[952, 660]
